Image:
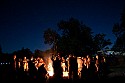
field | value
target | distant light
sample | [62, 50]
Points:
[2, 63]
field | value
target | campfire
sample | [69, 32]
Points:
[49, 65]
[65, 73]
[50, 68]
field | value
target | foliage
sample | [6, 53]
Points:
[24, 52]
[119, 31]
[100, 41]
[76, 38]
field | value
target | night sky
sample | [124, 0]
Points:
[22, 22]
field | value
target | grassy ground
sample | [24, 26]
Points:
[117, 72]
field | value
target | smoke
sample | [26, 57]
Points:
[47, 58]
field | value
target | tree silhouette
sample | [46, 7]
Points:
[75, 38]
[1, 50]
[24, 52]
[100, 42]
[75, 35]
[38, 53]
[116, 30]
[51, 37]
[119, 31]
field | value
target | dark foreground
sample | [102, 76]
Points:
[9, 76]
[64, 80]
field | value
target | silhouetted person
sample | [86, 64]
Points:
[66, 63]
[21, 72]
[73, 67]
[13, 69]
[41, 74]
[32, 70]
[84, 71]
[103, 68]
[58, 71]
[92, 70]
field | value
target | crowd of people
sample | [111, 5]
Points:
[93, 67]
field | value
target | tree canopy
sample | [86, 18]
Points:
[119, 31]
[24, 52]
[75, 38]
